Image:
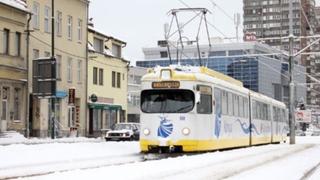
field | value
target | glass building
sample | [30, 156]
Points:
[260, 67]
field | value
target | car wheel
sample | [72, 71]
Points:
[131, 138]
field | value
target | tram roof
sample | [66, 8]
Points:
[187, 73]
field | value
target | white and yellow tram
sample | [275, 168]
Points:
[185, 108]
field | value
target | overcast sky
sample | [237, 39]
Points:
[140, 23]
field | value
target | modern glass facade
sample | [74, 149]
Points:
[244, 69]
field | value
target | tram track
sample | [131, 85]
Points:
[225, 168]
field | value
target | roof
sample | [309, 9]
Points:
[92, 29]
[17, 4]
[190, 73]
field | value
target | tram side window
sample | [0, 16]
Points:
[217, 99]
[283, 115]
[205, 104]
[275, 117]
[224, 102]
[230, 104]
[241, 107]
[254, 109]
[246, 107]
[236, 105]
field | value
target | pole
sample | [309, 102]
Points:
[53, 73]
[28, 84]
[291, 85]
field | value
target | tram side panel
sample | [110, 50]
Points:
[260, 121]
[231, 121]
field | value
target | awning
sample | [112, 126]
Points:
[105, 106]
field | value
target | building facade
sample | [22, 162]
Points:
[260, 67]
[71, 18]
[134, 90]
[107, 82]
[13, 66]
[270, 19]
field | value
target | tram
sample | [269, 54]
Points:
[194, 109]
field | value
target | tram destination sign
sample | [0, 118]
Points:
[166, 84]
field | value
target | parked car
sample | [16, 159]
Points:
[300, 133]
[124, 131]
[315, 133]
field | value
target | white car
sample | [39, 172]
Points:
[123, 131]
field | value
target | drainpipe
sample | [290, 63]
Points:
[86, 133]
[28, 84]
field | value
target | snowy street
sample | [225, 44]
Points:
[95, 158]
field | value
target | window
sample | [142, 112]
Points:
[35, 53]
[69, 70]
[95, 75]
[46, 19]
[100, 76]
[35, 15]
[205, 104]
[5, 97]
[79, 30]
[79, 71]
[17, 107]
[18, 43]
[58, 67]
[6, 37]
[224, 102]
[59, 23]
[217, 99]
[167, 101]
[118, 80]
[69, 24]
[116, 50]
[230, 104]
[71, 116]
[98, 45]
[113, 79]
[46, 54]
[241, 107]
[163, 54]
[235, 105]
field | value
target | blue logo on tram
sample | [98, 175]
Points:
[246, 128]
[166, 127]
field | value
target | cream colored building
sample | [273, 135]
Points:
[71, 19]
[13, 66]
[107, 80]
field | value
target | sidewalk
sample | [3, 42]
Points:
[12, 137]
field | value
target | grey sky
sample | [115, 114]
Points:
[140, 22]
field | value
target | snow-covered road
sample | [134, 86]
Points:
[121, 160]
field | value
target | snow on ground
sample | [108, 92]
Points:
[12, 137]
[109, 159]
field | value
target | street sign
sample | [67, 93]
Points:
[303, 116]
[44, 77]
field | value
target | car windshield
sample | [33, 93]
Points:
[167, 101]
[123, 126]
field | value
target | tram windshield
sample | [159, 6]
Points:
[167, 101]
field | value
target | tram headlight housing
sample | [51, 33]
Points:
[186, 131]
[146, 131]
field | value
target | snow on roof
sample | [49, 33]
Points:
[104, 34]
[18, 4]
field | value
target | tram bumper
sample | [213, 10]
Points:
[168, 145]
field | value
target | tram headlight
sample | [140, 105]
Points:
[186, 131]
[146, 131]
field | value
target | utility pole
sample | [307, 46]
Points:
[291, 85]
[53, 73]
